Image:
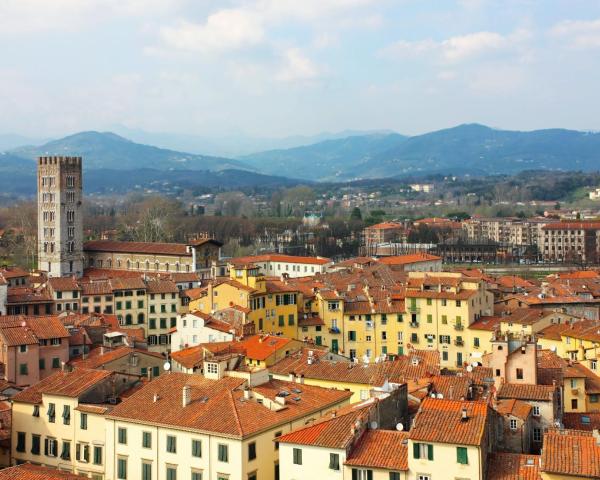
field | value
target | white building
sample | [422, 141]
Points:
[274, 264]
[196, 327]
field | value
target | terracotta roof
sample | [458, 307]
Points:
[571, 452]
[310, 321]
[384, 449]
[67, 384]
[275, 257]
[149, 248]
[524, 391]
[13, 272]
[99, 356]
[516, 408]
[513, 466]
[92, 408]
[332, 431]
[486, 323]
[20, 295]
[127, 283]
[189, 357]
[451, 387]
[24, 330]
[440, 420]
[218, 406]
[96, 287]
[582, 421]
[37, 472]
[400, 370]
[261, 347]
[408, 259]
[572, 226]
[161, 286]
[62, 284]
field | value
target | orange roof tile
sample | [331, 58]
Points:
[37, 472]
[219, 406]
[513, 466]
[275, 257]
[408, 259]
[261, 347]
[385, 449]
[516, 408]
[150, 248]
[571, 452]
[524, 391]
[67, 384]
[440, 420]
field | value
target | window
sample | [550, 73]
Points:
[196, 475]
[122, 468]
[536, 411]
[223, 453]
[594, 398]
[476, 342]
[146, 470]
[66, 415]
[23, 348]
[574, 404]
[251, 451]
[23, 370]
[423, 450]
[429, 318]
[97, 455]
[519, 374]
[461, 455]
[297, 456]
[51, 412]
[36, 411]
[83, 421]
[196, 448]
[55, 362]
[21, 442]
[171, 444]
[394, 475]
[573, 383]
[334, 461]
[423, 477]
[277, 434]
[35, 444]
[362, 474]
[513, 424]
[122, 436]
[537, 434]
[171, 472]
[51, 447]
[146, 440]
[42, 364]
[66, 450]
[351, 336]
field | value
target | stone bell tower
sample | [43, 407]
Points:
[60, 222]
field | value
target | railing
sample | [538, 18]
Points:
[459, 326]
[414, 324]
[459, 343]
[334, 330]
[413, 309]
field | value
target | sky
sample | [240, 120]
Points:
[276, 68]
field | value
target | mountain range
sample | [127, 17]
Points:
[466, 149]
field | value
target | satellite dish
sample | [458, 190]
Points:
[23, 324]
[469, 369]
[440, 395]
[167, 366]
[373, 425]
[432, 395]
[474, 364]
[399, 427]
[553, 348]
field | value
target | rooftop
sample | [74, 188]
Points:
[441, 420]
[524, 391]
[571, 452]
[375, 447]
[28, 471]
[513, 466]
[219, 406]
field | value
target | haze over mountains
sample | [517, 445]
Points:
[465, 149]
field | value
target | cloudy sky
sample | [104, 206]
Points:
[273, 68]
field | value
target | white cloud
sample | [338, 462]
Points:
[224, 30]
[579, 33]
[38, 16]
[297, 67]
[458, 48]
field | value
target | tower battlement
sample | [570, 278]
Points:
[59, 160]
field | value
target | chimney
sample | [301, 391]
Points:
[186, 395]
[62, 366]
[247, 393]
[156, 397]
[101, 349]
[464, 416]
[292, 376]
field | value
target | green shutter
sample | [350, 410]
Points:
[430, 452]
[416, 450]
[461, 455]
[354, 474]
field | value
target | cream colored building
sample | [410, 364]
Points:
[189, 426]
[59, 422]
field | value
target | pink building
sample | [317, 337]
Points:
[32, 348]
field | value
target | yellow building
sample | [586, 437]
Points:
[439, 307]
[581, 389]
[272, 305]
[450, 439]
[187, 426]
[59, 422]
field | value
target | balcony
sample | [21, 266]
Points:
[459, 327]
[334, 330]
[414, 324]
[575, 392]
[459, 343]
[413, 309]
